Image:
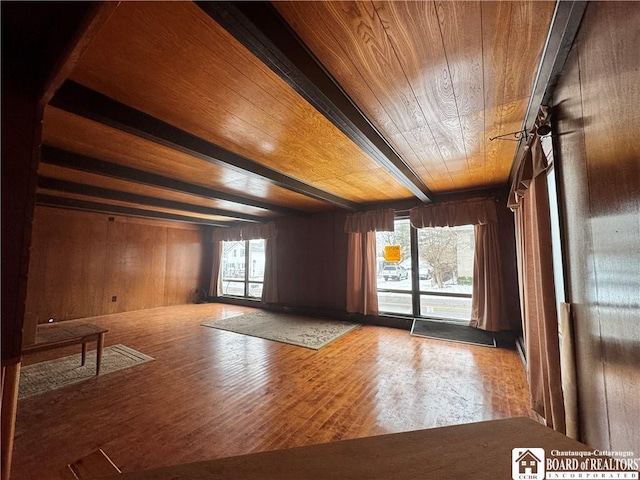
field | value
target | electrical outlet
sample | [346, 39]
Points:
[114, 298]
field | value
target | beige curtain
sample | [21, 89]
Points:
[256, 231]
[487, 305]
[479, 211]
[487, 301]
[362, 296]
[356, 291]
[214, 287]
[270, 286]
[530, 202]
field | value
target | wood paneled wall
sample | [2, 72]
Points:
[598, 151]
[79, 261]
[312, 259]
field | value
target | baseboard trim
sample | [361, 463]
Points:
[376, 320]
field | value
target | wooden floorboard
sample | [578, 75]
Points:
[212, 393]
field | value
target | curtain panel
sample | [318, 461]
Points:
[372, 221]
[256, 231]
[453, 214]
[216, 277]
[487, 300]
[362, 295]
[270, 285]
[529, 200]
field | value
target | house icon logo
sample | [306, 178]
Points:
[527, 464]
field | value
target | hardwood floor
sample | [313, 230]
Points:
[211, 393]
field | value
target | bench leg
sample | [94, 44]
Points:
[99, 352]
[84, 353]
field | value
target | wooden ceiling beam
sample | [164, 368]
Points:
[58, 185]
[96, 17]
[80, 100]
[261, 29]
[73, 204]
[61, 158]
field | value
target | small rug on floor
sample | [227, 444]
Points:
[297, 330]
[452, 332]
[57, 373]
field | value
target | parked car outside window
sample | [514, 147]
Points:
[425, 272]
[394, 272]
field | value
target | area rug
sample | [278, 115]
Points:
[452, 332]
[53, 374]
[297, 330]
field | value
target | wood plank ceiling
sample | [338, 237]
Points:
[223, 112]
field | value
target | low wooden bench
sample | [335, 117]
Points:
[49, 337]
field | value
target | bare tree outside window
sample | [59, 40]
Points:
[438, 249]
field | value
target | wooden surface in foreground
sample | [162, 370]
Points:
[479, 451]
[213, 394]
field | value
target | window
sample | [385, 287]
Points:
[446, 277]
[442, 259]
[243, 268]
[394, 278]
[554, 212]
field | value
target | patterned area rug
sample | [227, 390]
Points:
[53, 374]
[297, 330]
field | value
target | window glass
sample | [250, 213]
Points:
[447, 307]
[256, 260]
[243, 268]
[395, 302]
[443, 260]
[394, 277]
[232, 262]
[235, 289]
[446, 272]
[446, 258]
